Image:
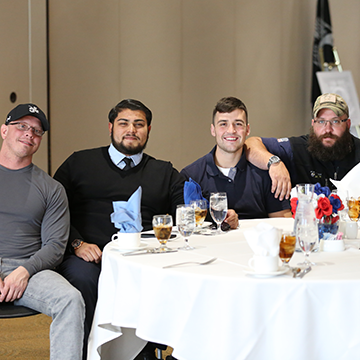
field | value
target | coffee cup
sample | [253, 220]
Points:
[126, 240]
[351, 230]
[264, 264]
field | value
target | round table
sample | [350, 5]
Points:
[218, 311]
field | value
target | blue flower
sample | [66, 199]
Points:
[318, 190]
[336, 204]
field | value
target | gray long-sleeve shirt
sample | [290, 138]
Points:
[34, 218]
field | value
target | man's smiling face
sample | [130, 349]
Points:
[230, 130]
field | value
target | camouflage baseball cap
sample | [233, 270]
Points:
[333, 102]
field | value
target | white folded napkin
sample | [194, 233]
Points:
[349, 185]
[263, 239]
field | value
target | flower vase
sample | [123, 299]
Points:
[327, 230]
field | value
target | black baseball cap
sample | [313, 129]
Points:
[27, 110]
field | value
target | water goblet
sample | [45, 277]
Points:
[200, 207]
[307, 237]
[287, 247]
[162, 225]
[185, 221]
[218, 208]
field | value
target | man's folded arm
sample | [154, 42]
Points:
[258, 155]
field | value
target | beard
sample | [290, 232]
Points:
[342, 146]
[128, 150]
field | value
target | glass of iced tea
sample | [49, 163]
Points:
[353, 208]
[200, 207]
[287, 246]
[162, 225]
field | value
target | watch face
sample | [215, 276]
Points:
[273, 160]
[75, 243]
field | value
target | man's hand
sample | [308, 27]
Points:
[14, 285]
[89, 252]
[232, 219]
[280, 177]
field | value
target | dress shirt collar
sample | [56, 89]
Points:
[117, 157]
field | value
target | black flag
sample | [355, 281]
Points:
[322, 39]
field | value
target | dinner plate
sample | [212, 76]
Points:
[269, 274]
[142, 246]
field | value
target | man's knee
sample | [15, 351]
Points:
[83, 275]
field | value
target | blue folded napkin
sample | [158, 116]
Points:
[127, 214]
[192, 191]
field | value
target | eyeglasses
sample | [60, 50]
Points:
[25, 127]
[334, 123]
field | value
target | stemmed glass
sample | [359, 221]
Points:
[162, 225]
[200, 207]
[185, 221]
[218, 208]
[287, 247]
[307, 237]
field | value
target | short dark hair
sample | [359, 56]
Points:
[228, 105]
[132, 105]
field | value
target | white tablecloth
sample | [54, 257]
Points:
[219, 312]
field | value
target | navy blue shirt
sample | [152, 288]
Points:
[306, 168]
[249, 194]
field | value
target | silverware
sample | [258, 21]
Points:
[191, 262]
[295, 271]
[148, 251]
[304, 272]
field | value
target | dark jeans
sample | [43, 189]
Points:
[84, 276]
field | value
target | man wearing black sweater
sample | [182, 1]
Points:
[94, 178]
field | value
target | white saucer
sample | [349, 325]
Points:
[142, 246]
[206, 224]
[269, 274]
[175, 235]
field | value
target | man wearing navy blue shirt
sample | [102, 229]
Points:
[225, 168]
[329, 151]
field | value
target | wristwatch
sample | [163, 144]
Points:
[273, 160]
[76, 244]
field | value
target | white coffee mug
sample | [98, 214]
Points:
[126, 240]
[264, 264]
[351, 230]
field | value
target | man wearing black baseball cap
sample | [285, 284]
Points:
[33, 234]
[27, 110]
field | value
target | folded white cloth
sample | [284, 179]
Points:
[264, 239]
[349, 185]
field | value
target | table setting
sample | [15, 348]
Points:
[239, 294]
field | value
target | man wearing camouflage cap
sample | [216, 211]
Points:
[329, 151]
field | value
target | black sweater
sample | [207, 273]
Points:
[93, 182]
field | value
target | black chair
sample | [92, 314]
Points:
[8, 310]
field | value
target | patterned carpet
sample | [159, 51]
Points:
[28, 338]
[25, 338]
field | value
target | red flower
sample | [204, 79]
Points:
[293, 203]
[334, 219]
[323, 207]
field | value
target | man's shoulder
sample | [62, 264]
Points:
[42, 177]
[90, 152]
[196, 167]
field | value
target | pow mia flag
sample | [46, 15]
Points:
[322, 39]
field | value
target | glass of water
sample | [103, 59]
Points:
[185, 221]
[218, 208]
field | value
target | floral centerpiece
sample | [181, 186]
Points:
[326, 205]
